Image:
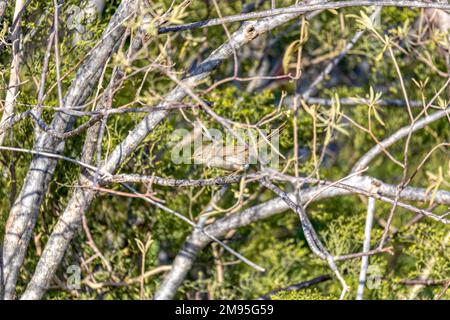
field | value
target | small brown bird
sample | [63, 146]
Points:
[233, 157]
[224, 157]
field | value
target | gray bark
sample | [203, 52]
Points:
[304, 7]
[197, 241]
[14, 80]
[70, 219]
[81, 199]
[24, 212]
[89, 11]
[3, 6]
[99, 5]
[366, 248]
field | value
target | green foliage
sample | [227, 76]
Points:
[276, 243]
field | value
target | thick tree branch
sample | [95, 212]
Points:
[196, 242]
[366, 248]
[3, 7]
[23, 214]
[303, 8]
[398, 135]
[295, 287]
[81, 198]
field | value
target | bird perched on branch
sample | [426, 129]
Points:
[233, 157]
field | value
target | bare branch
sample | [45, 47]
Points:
[366, 248]
[81, 198]
[23, 215]
[398, 135]
[303, 8]
[297, 286]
